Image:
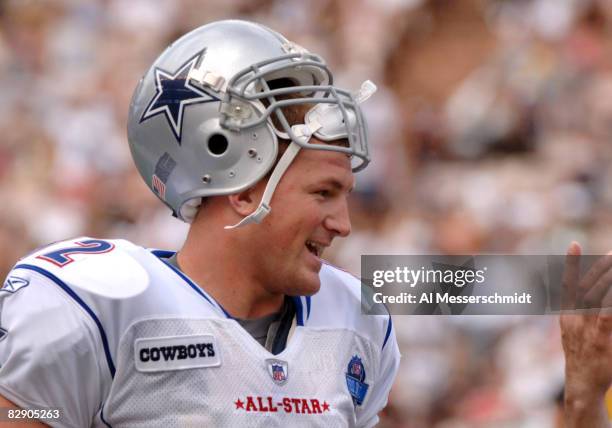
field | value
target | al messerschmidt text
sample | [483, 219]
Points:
[496, 298]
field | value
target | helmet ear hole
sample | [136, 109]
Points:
[217, 144]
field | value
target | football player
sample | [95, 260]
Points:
[244, 135]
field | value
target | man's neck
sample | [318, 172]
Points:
[222, 271]
[270, 331]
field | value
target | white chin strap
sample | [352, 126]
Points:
[303, 132]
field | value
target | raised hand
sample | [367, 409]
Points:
[586, 325]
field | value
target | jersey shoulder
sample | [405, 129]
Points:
[110, 285]
[115, 275]
[338, 305]
[108, 268]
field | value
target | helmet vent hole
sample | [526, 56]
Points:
[217, 144]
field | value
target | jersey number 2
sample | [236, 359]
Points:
[62, 257]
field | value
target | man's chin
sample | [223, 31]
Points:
[306, 286]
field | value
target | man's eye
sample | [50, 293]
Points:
[324, 193]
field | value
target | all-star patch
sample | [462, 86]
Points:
[287, 405]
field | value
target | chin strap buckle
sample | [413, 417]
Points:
[264, 208]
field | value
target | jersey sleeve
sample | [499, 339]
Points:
[389, 365]
[49, 351]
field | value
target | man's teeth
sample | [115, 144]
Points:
[314, 248]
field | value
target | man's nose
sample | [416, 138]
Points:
[339, 220]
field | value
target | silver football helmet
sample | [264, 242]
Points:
[200, 121]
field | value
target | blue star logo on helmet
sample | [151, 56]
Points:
[355, 380]
[174, 93]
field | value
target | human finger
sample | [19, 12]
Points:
[599, 268]
[604, 324]
[571, 275]
[594, 297]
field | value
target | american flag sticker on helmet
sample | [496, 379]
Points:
[164, 167]
[158, 187]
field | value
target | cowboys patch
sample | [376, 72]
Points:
[174, 93]
[13, 283]
[176, 353]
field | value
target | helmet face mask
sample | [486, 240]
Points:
[201, 119]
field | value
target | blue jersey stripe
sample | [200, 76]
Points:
[308, 302]
[102, 417]
[164, 254]
[87, 309]
[299, 311]
[388, 333]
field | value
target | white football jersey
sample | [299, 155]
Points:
[112, 335]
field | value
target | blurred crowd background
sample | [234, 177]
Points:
[491, 133]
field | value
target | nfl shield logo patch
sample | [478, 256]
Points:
[278, 370]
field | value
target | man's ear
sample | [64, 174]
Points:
[245, 202]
